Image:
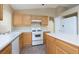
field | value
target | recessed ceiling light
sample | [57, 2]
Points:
[43, 4]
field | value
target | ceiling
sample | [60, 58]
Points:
[37, 6]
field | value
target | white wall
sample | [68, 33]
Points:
[58, 24]
[51, 12]
[70, 11]
[41, 12]
[59, 10]
[50, 26]
[7, 18]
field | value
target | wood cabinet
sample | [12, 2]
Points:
[1, 11]
[20, 19]
[68, 48]
[7, 50]
[27, 20]
[60, 51]
[21, 42]
[44, 37]
[36, 17]
[50, 44]
[57, 46]
[17, 19]
[27, 38]
[45, 20]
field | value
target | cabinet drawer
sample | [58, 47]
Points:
[69, 48]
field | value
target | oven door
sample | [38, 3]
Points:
[37, 36]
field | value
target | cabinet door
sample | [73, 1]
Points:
[36, 17]
[7, 50]
[69, 48]
[17, 19]
[50, 44]
[21, 42]
[1, 11]
[45, 20]
[27, 38]
[44, 37]
[27, 20]
[60, 51]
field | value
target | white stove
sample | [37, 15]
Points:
[37, 36]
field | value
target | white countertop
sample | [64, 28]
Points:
[8, 38]
[72, 39]
[22, 30]
[44, 30]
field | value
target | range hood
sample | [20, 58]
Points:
[37, 21]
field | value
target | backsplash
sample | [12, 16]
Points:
[27, 28]
[35, 25]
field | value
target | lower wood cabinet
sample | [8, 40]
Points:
[60, 51]
[68, 48]
[21, 42]
[57, 46]
[25, 39]
[7, 50]
[44, 37]
[50, 44]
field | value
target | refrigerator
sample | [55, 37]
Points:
[70, 25]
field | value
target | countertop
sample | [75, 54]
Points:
[7, 39]
[72, 39]
[29, 30]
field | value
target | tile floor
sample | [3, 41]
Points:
[39, 49]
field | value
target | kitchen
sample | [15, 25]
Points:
[39, 29]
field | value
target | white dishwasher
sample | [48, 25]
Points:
[15, 46]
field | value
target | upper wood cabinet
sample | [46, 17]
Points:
[27, 20]
[36, 17]
[1, 11]
[20, 19]
[45, 20]
[17, 19]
